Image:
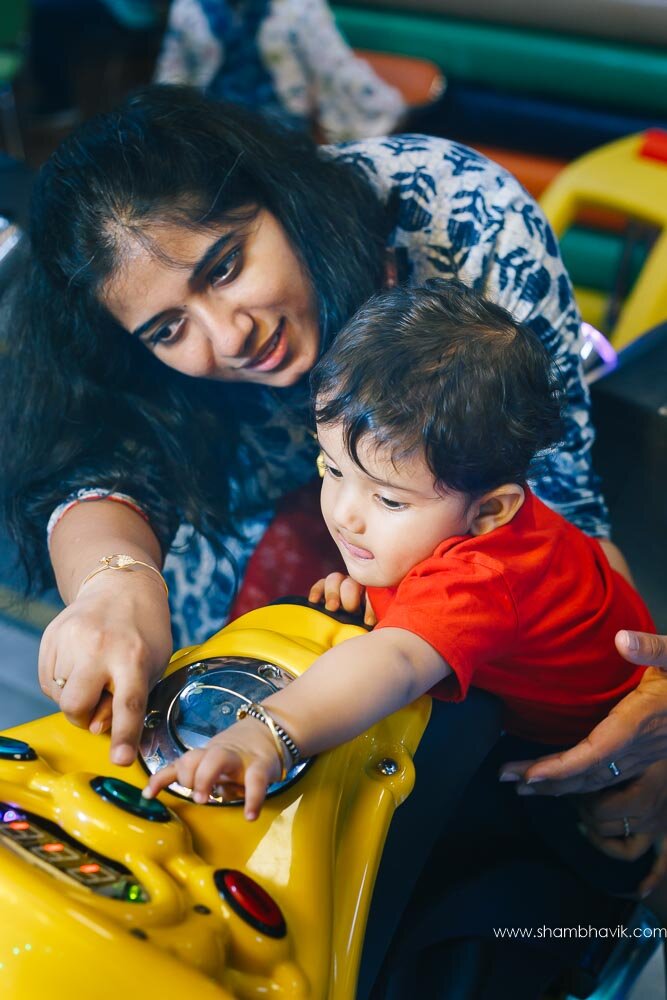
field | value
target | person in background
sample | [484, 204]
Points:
[285, 57]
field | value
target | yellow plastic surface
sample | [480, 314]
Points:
[593, 306]
[617, 177]
[315, 849]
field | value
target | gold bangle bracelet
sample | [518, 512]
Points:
[121, 561]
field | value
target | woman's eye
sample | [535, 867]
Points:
[168, 333]
[333, 471]
[392, 504]
[226, 269]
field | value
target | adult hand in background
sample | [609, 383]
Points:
[633, 736]
[624, 821]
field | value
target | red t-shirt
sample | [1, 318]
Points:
[529, 613]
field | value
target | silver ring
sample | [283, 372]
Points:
[614, 768]
[626, 826]
[60, 682]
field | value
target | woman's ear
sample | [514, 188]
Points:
[497, 507]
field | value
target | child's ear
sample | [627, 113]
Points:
[497, 507]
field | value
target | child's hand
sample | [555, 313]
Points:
[244, 755]
[340, 591]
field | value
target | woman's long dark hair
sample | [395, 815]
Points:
[79, 394]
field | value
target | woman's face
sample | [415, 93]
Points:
[237, 306]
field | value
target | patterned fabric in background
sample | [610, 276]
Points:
[284, 57]
[457, 215]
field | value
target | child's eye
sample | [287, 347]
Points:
[392, 504]
[332, 470]
[168, 333]
[225, 269]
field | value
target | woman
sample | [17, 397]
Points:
[181, 244]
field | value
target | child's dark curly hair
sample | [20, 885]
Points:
[439, 369]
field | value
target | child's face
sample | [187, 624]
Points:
[389, 518]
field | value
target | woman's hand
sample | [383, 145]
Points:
[243, 755]
[636, 807]
[109, 646]
[340, 591]
[633, 736]
[623, 822]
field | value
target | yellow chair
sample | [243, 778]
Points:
[630, 176]
[104, 894]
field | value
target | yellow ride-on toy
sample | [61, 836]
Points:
[105, 894]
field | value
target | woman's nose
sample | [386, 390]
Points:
[228, 330]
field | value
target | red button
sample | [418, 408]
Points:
[251, 902]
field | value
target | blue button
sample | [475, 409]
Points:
[15, 750]
[129, 798]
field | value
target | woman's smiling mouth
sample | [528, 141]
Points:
[272, 354]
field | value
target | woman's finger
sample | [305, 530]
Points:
[46, 667]
[643, 648]
[128, 713]
[101, 719]
[81, 693]
[636, 727]
[617, 827]
[641, 804]
[605, 744]
[623, 848]
[595, 780]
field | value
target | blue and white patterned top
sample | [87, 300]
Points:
[458, 215]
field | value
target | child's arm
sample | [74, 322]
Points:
[344, 692]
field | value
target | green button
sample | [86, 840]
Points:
[15, 750]
[129, 798]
